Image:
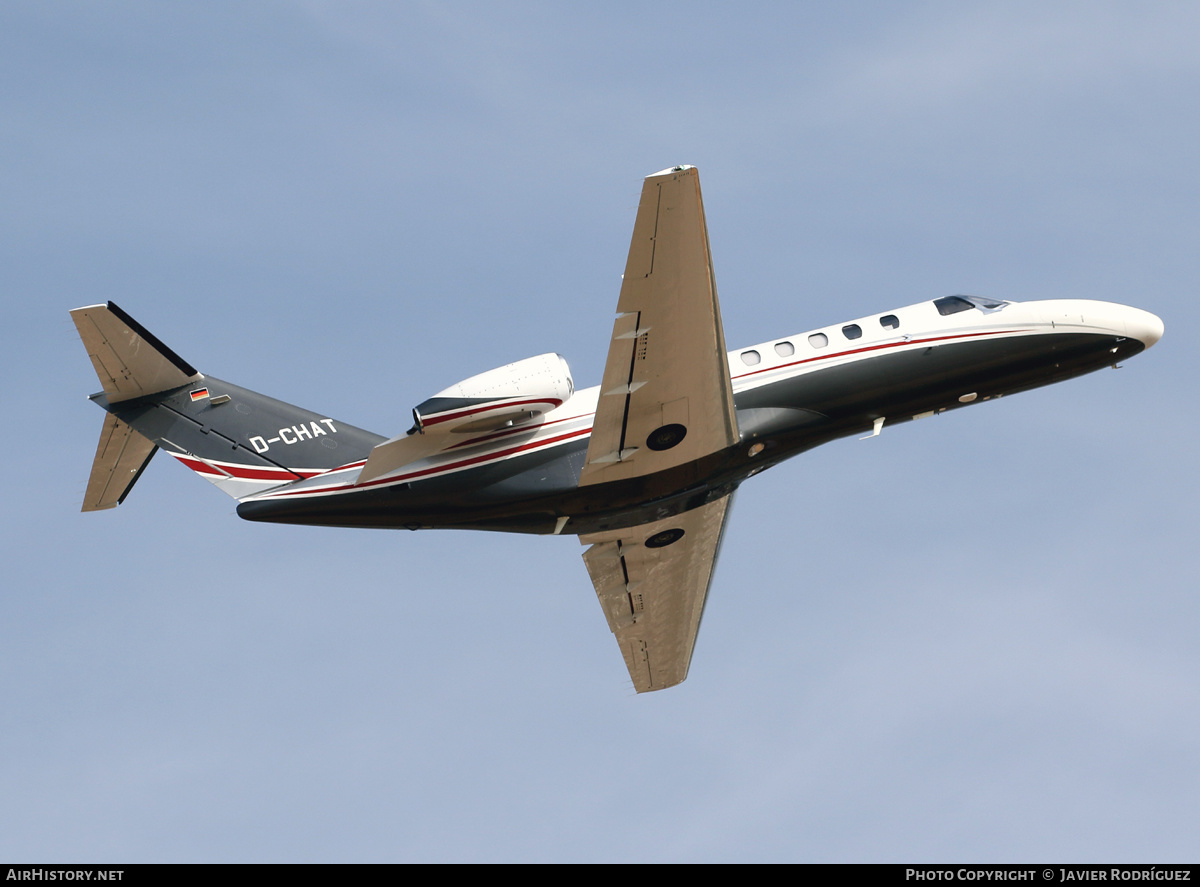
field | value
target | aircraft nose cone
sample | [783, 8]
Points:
[1147, 328]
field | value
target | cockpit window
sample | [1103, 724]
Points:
[952, 305]
[984, 304]
[889, 322]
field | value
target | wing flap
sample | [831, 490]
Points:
[666, 397]
[121, 457]
[652, 581]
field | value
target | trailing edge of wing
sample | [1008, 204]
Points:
[666, 398]
[121, 457]
[652, 581]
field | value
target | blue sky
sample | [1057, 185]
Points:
[971, 639]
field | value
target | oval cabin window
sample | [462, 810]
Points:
[751, 358]
[818, 340]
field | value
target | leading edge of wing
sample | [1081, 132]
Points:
[652, 581]
[666, 398]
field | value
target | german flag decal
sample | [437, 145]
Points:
[199, 394]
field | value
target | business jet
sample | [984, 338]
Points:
[643, 467]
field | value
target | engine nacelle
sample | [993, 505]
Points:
[498, 398]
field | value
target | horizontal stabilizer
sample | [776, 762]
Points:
[129, 359]
[121, 457]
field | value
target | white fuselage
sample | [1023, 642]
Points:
[860, 341]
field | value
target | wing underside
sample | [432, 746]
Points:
[652, 581]
[666, 401]
[666, 398]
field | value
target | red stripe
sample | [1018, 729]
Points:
[475, 460]
[307, 474]
[464, 463]
[438, 418]
[245, 472]
[784, 366]
[515, 430]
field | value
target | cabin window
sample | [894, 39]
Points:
[785, 349]
[852, 331]
[818, 340]
[751, 358]
[952, 305]
[889, 322]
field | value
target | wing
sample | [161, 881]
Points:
[652, 581]
[666, 398]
